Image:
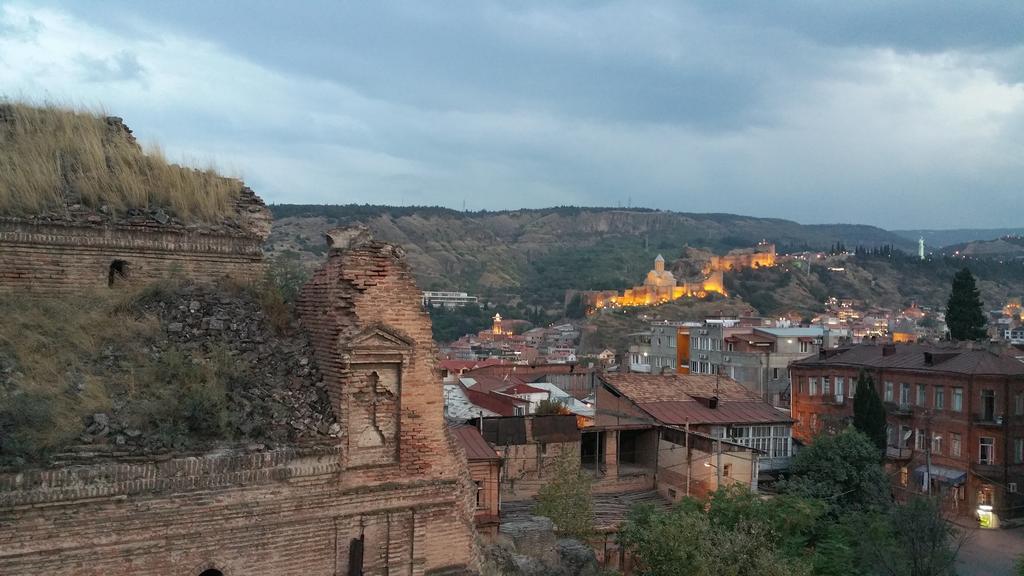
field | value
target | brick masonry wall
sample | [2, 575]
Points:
[58, 258]
[400, 487]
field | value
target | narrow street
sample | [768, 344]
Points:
[990, 552]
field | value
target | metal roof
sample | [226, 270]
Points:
[473, 444]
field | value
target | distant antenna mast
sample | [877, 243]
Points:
[463, 204]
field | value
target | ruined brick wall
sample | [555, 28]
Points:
[85, 250]
[394, 485]
[280, 513]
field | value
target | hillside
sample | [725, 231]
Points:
[890, 282]
[943, 238]
[531, 257]
[1008, 248]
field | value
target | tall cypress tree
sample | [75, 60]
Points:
[964, 314]
[868, 411]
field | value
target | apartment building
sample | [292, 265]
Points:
[955, 418]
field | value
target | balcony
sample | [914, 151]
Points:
[988, 420]
[899, 409]
[897, 453]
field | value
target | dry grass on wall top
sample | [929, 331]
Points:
[53, 157]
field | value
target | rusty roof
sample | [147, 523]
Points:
[473, 444]
[501, 405]
[920, 357]
[679, 413]
[678, 399]
[644, 388]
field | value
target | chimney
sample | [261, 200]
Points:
[888, 349]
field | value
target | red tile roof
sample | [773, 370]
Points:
[473, 444]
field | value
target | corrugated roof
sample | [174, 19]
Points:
[474, 445]
[680, 412]
[951, 359]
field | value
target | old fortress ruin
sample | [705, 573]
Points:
[661, 285]
[387, 492]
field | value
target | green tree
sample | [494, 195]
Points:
[912, 539]
[843, 470]
[868, 411]
[687, 541]
[577, 307]
[566, 498]
[964, 314]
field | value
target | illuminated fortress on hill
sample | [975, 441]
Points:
[661, 285]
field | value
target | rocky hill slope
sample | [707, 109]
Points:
[533, 256]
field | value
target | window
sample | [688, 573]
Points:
[812, 386]
[922, 393]
[905, 434]
[937, 444]
[888, 391]
[904, 394]
[799, 386]
[480, 501]
[1018, 404]
[775, 373]
[954, 444]
[840, 384]
[919, 440]
[940, 398]
[825, 388]
[890, 435]
[986, 450]
[958, 400]
[904, 476]
[805, 346]
[211, 572]
[727, 470]
[1018, 450]
[988, 405]
[117, 273]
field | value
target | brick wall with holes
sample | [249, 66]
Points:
[54, 259]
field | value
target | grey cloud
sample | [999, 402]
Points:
[121, 67]
[807, 110]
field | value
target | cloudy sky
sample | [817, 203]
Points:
[909, 116]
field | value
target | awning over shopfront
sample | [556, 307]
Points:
[950, 476]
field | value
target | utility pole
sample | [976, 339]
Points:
[928, 452]
[718, 462]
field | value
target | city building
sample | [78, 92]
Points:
[757, 357]
[955, 417]
[642, 421]
[670, 347]
[447, 299]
